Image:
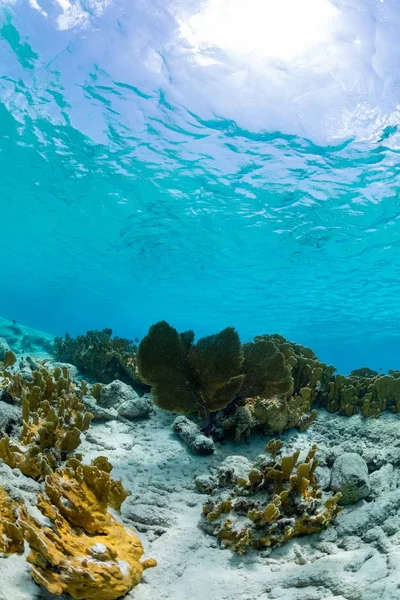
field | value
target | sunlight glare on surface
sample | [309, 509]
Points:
[269, 29]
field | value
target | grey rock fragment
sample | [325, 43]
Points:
[191, 435]
[385, 480]
[205, 483]
[10, 417]
[116, 393]
[359, 521]
[231, 468]
[137, 407]
[350, 477]
[99, 412]
[323, 476]
[121, 399]
[71, 368]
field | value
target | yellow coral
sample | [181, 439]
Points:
[53, 420]
[86, 552]
[11, 539]
[277, 414]
[279, 500]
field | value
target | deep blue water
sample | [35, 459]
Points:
[238, 167]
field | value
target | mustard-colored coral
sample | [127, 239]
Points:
[282, 381]
[53, 419]
[364, 392]
[86, 552]
[280, 499]
[11, 538]
[278, 414]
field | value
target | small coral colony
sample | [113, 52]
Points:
[232, 390]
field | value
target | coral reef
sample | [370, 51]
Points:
[101, 357]
[11, 538]
[187, 377]
[364, 393]
[276, 367]
[277, 414]
[85, 551]
[279, 499]
[282, 380]
[53, 419]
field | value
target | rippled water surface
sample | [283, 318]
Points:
[172, 160]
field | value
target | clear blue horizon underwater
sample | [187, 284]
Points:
[210, 163]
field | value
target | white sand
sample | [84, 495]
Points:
[357, 559]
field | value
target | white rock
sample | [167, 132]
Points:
[191, 435]
[136, 407]
[99, 412]
[116, 393]
[350, 477]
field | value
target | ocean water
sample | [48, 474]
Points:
[208, 163]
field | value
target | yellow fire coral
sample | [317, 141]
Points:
[53, 420]
[365, 392]
[278, 500]
[11, 538]
[275, 415]
[85, 552]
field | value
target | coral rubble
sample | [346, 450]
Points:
[279, 499]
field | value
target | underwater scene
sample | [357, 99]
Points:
[200, 300]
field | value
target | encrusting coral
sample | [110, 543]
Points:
[11, 538]
[102, 357]
[278, 500]
[53, 419]
[85, 552]
[188, 377]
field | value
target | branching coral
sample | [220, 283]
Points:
[102, 357]
[187, 377]
[278, 500]
[11, 538]
[85, 552]
[299, 362]
[53, 420]
[365, 392]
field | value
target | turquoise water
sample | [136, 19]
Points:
[145, 178]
